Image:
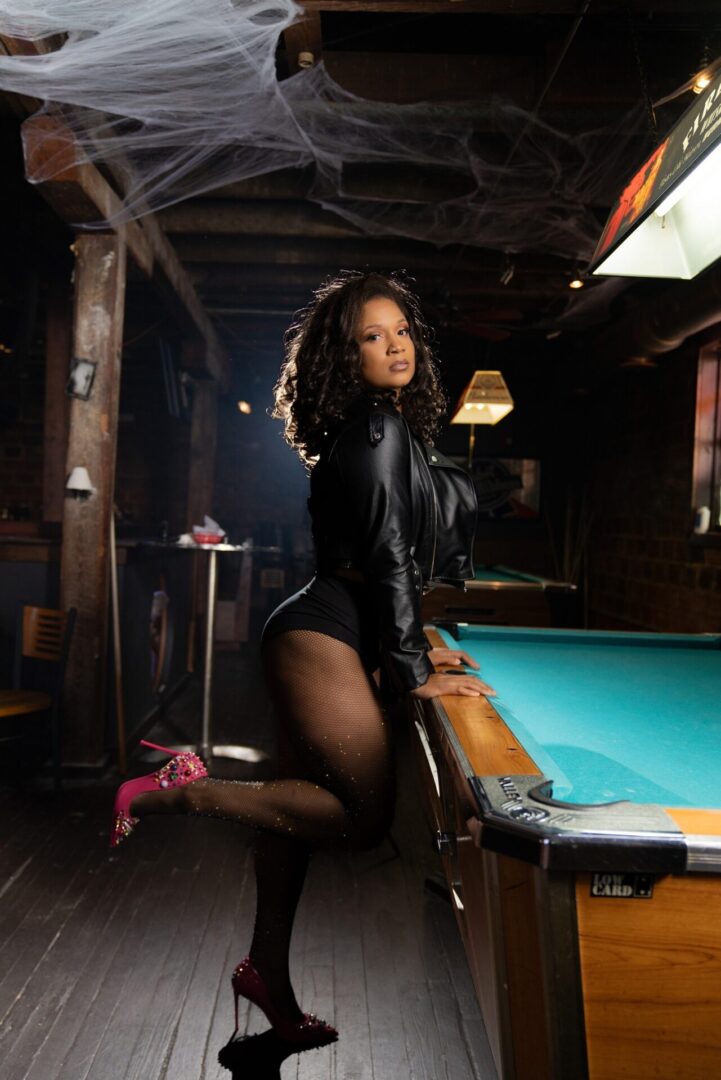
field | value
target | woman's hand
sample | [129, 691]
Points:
[450, 656]
[458, 684]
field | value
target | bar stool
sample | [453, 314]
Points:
[41, 651]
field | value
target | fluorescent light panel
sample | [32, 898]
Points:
[683, 234]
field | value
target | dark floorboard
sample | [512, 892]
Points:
[118, 968]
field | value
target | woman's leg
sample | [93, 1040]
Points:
[343, 790]
[280, 868]
[281, 863]
[331, 729]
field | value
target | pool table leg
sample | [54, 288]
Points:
[534, 920]
[561, 973]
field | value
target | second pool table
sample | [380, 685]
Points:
[578, 815]
[503, 596]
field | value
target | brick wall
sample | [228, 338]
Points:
[153, 446]
[21, 434]
[643, 573]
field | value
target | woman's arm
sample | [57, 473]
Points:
[374, 463]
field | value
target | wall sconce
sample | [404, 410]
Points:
[78, 485]
[485, 400]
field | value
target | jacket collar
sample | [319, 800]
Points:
[367, 400]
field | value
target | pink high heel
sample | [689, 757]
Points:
[180, 770]
[310, 1031]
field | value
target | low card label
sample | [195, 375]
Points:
[622, 886]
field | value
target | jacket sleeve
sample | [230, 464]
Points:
[374, 462]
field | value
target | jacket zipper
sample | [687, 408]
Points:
[434, 504]
[434, 514]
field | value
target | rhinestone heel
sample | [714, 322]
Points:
[309, 1031]
[182, 769]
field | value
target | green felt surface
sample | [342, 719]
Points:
[610, 716]
[503, 573]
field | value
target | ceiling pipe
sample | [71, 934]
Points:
[664, 321]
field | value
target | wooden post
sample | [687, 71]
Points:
[100, 261]
[58, 350]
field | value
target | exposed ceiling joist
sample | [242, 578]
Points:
[272, 251]
[394, 182]
[227, 279]
[238, 218]
[504, 7]
[79, 194]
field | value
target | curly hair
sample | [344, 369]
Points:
[321, 374]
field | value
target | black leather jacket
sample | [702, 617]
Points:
[399, 513]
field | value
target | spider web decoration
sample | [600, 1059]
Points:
[180, 98]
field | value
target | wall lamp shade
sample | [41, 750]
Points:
[667, 221]
[78, 485]
[485, 400]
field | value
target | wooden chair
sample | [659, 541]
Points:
[41, 652]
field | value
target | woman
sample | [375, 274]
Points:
[359, 396]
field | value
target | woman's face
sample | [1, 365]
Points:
[387, 354]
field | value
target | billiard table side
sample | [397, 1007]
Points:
[642, 979]
[517, 922]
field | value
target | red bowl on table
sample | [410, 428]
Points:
[208, 538]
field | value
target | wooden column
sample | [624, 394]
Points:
[100, 261]
[203, 440]
[58, 351]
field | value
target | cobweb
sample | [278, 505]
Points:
[180, 97]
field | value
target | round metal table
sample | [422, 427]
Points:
[206, 748]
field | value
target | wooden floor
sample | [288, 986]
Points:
[117, 968]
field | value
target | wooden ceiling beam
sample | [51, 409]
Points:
[79, 194]
[228, 218]
[503, 7]
[381, 253]
[583, 90]
[274, 251]
[408, 78]
[215, 280]
[396, 182]
[281, 184]
[19, 104]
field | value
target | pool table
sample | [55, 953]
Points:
[501, 595]
[578, 816]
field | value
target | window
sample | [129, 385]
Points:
[707, 447]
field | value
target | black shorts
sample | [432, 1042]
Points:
[334, 606]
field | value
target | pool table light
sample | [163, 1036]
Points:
[667, 221]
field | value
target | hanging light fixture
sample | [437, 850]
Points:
[485, 400]
[700, 82]
[667, 221]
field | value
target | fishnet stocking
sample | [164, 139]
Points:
[336, 785]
